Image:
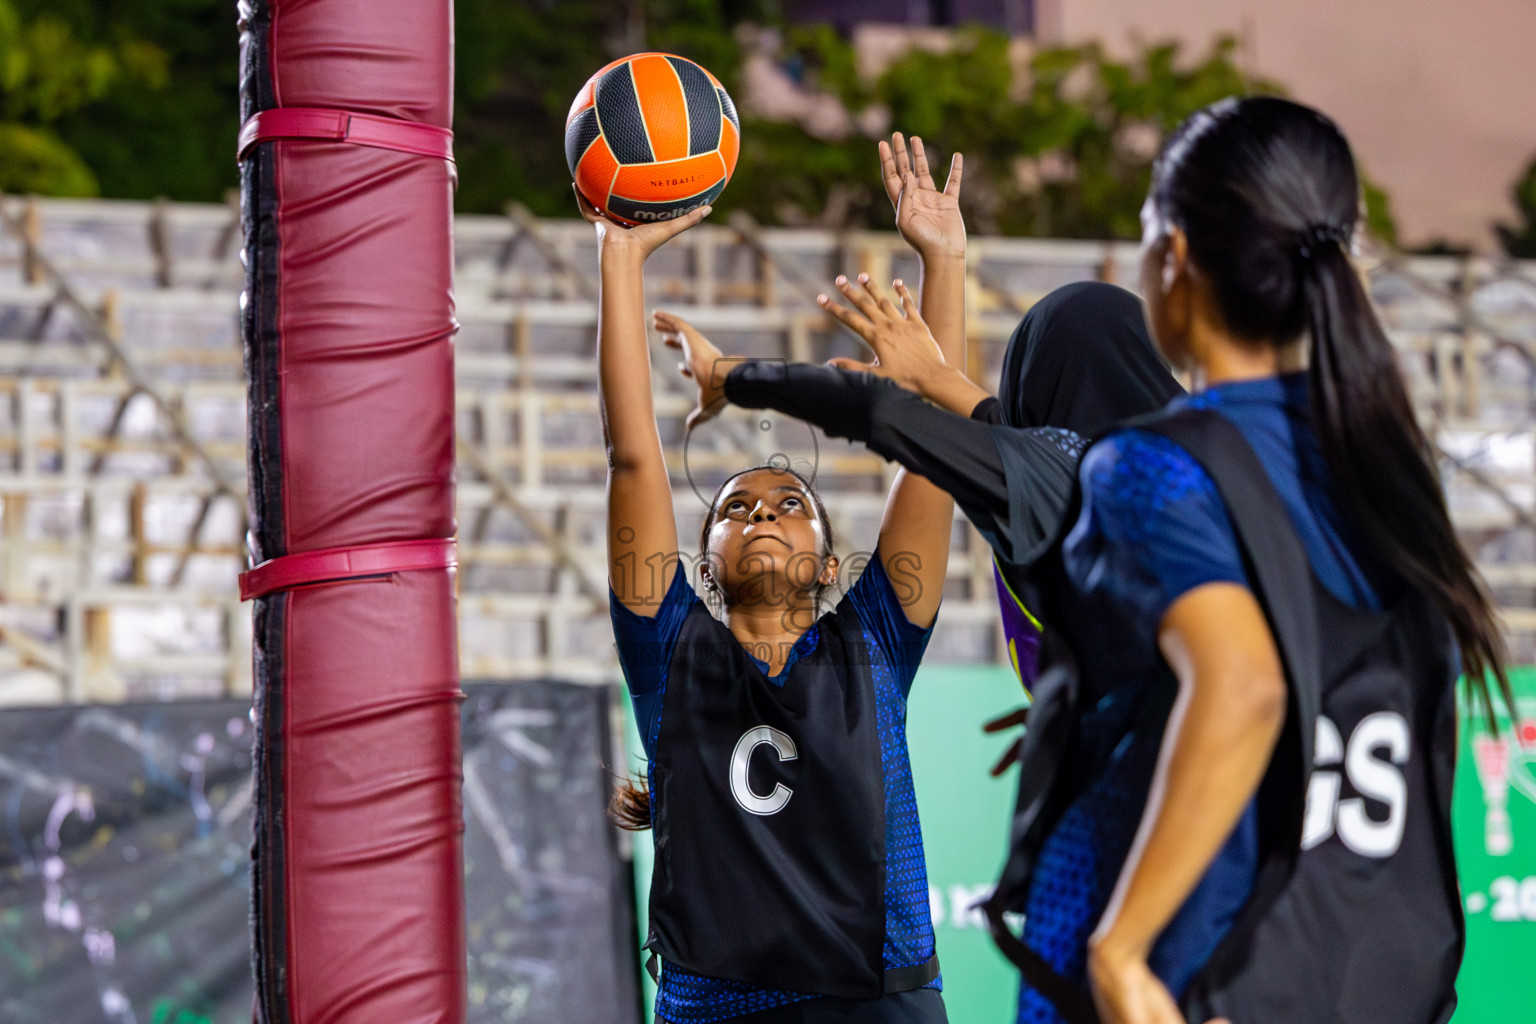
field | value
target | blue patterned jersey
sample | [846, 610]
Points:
[895, 645]
[1153, 527]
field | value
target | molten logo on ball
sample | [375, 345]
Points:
[651, 137]
[655, 215]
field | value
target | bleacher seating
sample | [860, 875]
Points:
[122, 436]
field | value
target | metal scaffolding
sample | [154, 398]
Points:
[122, 428]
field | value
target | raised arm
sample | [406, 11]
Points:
[915, 530]
[929, 221]
[1016, 508]
[642, 532]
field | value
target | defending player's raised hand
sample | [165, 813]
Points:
[905, 350]
[702, 363]
[927, 217]
[642, 240]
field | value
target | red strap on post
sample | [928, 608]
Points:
[336, 564]
[345, 126]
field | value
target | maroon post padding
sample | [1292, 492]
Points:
[348, 324]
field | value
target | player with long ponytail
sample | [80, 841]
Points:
[1265, 606]
[1279, 246]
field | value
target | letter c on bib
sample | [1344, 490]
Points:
[741, 762]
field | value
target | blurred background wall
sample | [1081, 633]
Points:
[1438, 99]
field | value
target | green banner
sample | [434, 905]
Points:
[1495, 819]
[965, 819]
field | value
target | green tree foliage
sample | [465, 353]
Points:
[1520, 239]
[138, 97]
[170, 132]
[1062, 146]
[520, 64]
[47, 73]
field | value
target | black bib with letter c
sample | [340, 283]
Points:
[769, 811]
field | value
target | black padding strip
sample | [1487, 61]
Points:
[259, 315]
[704, 111]
[269, 920]
[730, 109]
[618, 112]
[580, 136]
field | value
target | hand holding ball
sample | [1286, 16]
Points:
[651, 137]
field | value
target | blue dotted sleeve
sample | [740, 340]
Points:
[1152, 528]
[645, 644]
[877, 597]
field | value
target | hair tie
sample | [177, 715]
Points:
[1311, 239]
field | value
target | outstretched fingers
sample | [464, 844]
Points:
[920, 164]
[667, 322]
[1016, 717]
[849, 318]
[677, 333]
[908, 303]
[1006, 761]
[670, 327]
[664, 231]
[860, 295]
[648, 237]
[956, 169]
[882, 301]
[890, 176]
[903, 160]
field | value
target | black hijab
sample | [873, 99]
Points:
[1081, 359]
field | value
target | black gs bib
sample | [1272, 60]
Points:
[1355, 916]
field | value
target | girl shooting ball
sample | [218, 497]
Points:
[789, 881]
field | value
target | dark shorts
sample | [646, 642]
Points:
[921, 1006]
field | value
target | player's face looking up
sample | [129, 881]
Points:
[766, 541]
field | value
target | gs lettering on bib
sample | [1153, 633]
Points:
[1372, 765]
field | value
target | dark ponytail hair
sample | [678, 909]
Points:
[630, 806]
[1267, 195]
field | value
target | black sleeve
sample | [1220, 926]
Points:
[837, 401]
[988, 410]
[1013, 484]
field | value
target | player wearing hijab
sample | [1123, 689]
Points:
[1079, 362]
